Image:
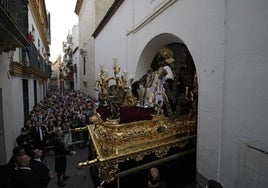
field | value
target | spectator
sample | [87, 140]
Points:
[154, 179]
[25, 140]
[83, 135]
[12, 163]
[43, 173]
[39, 135]
[61, 152]
[24, 176]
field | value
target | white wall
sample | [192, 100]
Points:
[36, 33]
[245, 94]
[113, 42]
[12, 105]
[86, 41]
[76, 56]
[4, 82]
[227, 40]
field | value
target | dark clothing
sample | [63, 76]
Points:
[5, 179]
[60, 155]
[60, 163]
[25, 141]
[160, 185]
[135, 86]
[25, 178]
[11, 166]
[61, 151]
[41, 171]
[83, 122]
[39, 141]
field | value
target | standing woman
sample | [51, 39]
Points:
[61, 152]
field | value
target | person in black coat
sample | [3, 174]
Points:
[24, 176]
[25, 140]
[61, 152]
[39, 136]
[43, 173]
[12, 163]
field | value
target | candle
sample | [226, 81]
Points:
[125, 74]
[101, 67]
[115, 61]
[186, 91]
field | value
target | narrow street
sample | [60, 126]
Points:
[79, 178]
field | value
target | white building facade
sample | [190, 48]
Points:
[76, 56]
[90, 13]
[24, 73]
[227, 41]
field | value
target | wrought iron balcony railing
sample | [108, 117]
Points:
[33, 64]
[13, 24]
[36, 61]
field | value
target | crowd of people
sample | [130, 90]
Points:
[49, 126]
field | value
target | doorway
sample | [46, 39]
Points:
[2, 132]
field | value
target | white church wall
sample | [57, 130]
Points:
[245, 95]
[86, 42]
[76, 56]
[112, 43]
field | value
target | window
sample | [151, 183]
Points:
[84, 59]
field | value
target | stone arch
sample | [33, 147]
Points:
[187, 96]
[151, 49]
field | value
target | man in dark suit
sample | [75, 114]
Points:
[39, 135]
[61, 152]
[24, 176]
[11, 167]
[43, 173]
[12, 163]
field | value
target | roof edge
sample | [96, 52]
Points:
[107, 17]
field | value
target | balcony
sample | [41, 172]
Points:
[33, 64]
[13, 24]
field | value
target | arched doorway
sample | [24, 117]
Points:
[181, 171]
[183, 92]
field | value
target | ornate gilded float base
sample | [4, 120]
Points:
[116, 143]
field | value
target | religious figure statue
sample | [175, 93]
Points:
[169, 74]
[102, 85]
[113, 106]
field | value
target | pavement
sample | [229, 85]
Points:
[79, 178]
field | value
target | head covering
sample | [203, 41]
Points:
[24, 131]
[213, 184]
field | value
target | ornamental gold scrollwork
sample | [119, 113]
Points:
[115, 143]
[107, 171]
